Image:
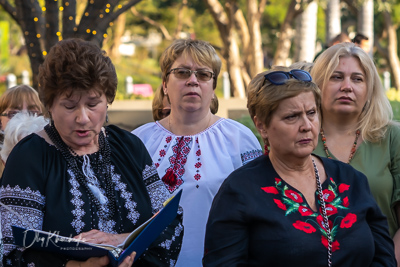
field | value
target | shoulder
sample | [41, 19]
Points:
[121, 137]
[250, 171]
[232, 125]
[339, 170]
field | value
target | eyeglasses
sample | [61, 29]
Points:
[280, 77]
[182, 73]
[12, 113]
[163, 112]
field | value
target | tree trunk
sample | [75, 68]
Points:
[119, 30]
[231, 50]
[392, 49]
[257, 55]
[333, 24]
[306, 33]
[365, 22]
[286, 34]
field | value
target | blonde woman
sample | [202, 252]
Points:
[357, 125]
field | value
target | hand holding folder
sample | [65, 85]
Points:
[137, 241]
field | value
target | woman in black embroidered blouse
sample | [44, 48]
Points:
[294, 208]
[77, 177]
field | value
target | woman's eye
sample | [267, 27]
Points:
[69, 107]
[336, 77]
[290, 117]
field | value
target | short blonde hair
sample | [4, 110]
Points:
[377, 113]
[202, 53]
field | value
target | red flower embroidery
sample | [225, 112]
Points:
[197, 165]
[169, 178]
[346, 202]
[294, 196]
[162, 153]
[270, 189]
[157, 164]
[198, 152]
[343, 187]
[348, 221]
[335, 244]
[197, 176]
[304, 211]
[277, 180]
[330, 209]
[320, 221]
[328, 195]
[305, 227]
[183, 161]
[332, 180]
[168, 139]
[280, 204]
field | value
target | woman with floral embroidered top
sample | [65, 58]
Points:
[295, 208]
[193, 149]
[77, 177]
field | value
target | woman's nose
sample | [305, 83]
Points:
[82, 116]
[346, 85]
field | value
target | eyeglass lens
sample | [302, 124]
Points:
[202, 75]
[10, 114]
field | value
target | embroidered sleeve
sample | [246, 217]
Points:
[24, 207]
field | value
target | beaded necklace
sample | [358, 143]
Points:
[353, 148]
[103, 166]
[324, 214]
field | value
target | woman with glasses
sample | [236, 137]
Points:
[20, 98]
[295, 208]
[357, 126]
[193, 149]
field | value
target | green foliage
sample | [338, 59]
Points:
[396, 110]
[248, 122]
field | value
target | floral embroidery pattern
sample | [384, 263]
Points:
[173, 175]
[292, 202]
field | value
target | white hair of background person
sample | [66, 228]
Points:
[21, 125]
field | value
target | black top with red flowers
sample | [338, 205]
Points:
[257, 219]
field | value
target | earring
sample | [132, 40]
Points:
[266, 150]
[107, 118]
[51, 119]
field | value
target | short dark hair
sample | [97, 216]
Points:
[359, 37]
[74, 64]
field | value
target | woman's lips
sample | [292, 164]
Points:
[82, 133]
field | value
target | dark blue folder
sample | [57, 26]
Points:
[137, 241]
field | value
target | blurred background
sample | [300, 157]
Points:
[249, 35]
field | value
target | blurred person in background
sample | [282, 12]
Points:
[19, 98]
[193, 149]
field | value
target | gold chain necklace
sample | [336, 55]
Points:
[353, 148]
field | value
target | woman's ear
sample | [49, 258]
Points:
[261, 128]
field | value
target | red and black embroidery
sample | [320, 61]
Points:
[291, 201]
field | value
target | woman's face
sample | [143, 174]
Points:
[294, 127]
[79, 118]
[346, 91]
[10, 112]
[191, 94]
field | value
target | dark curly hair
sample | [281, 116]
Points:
[76, 65]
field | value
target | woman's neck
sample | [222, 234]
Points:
[189, 124]
[339, 124]
[286, 166]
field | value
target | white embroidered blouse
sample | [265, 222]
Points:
[198, 164]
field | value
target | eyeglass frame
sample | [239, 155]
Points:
[15, 112]
[288, 74]
[191, 72]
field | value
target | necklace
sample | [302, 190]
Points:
[324, 214]
[353, 148]
[102, 164]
